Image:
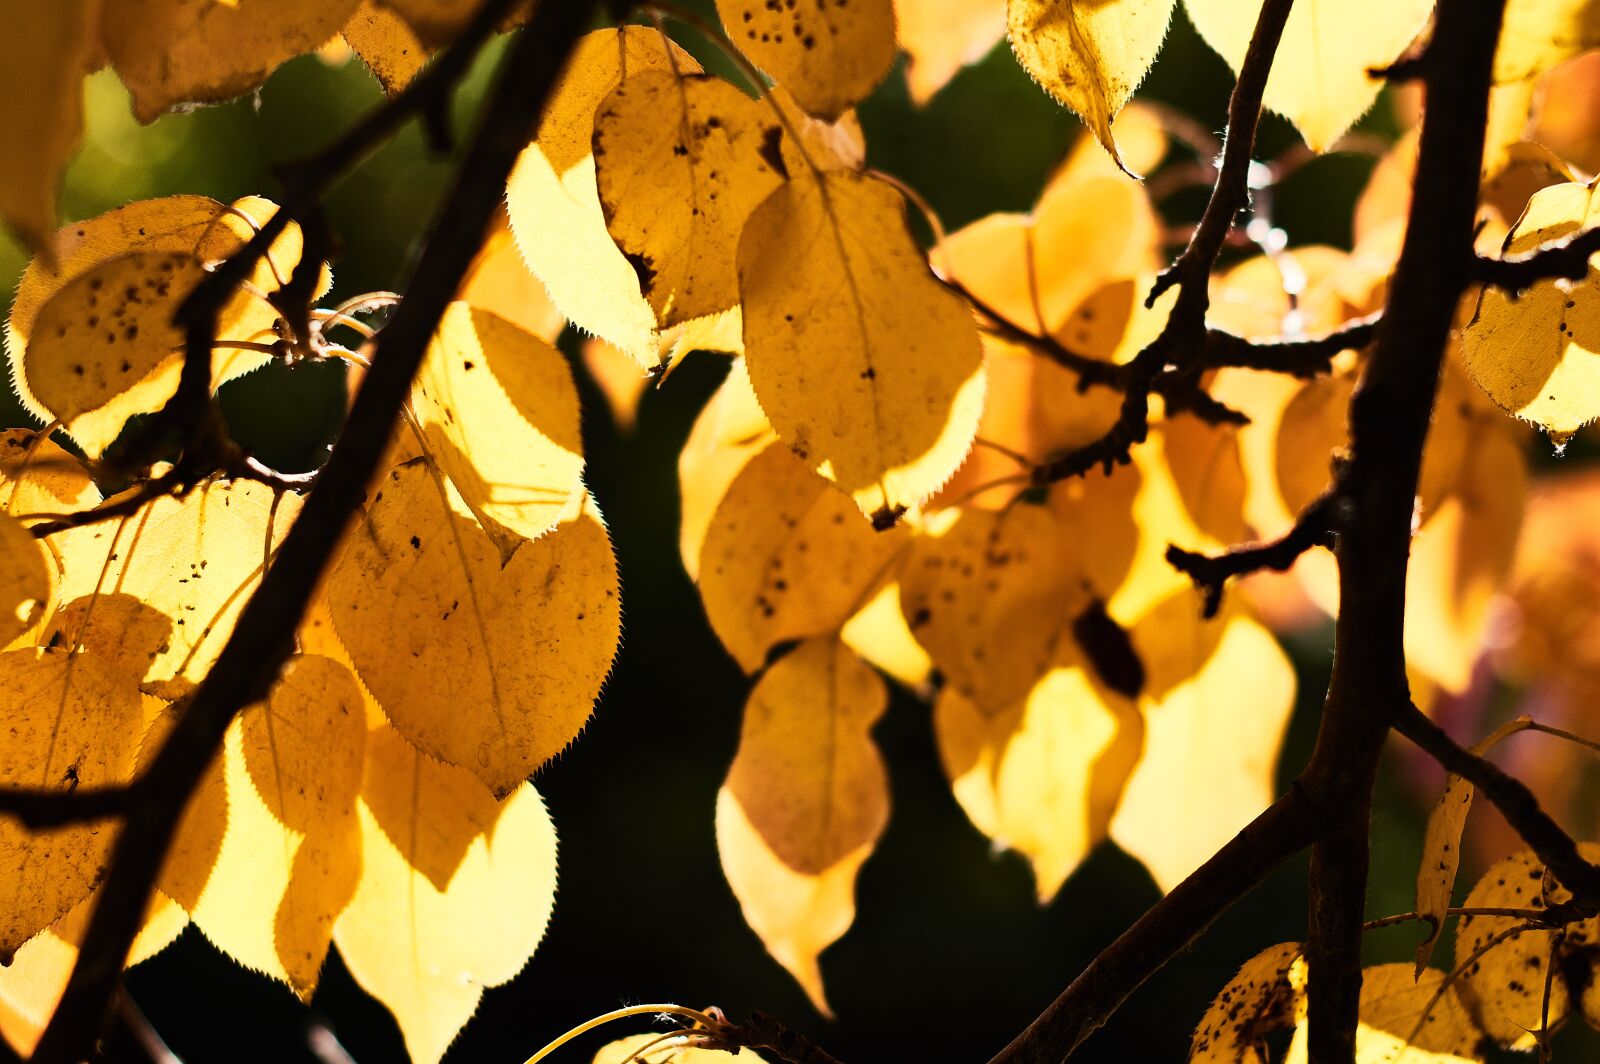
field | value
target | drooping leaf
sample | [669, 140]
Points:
[1043, 775]
[1319, 78]
[291, 854]
[1538, 34]
[787, 556]
[991, 600]
[428, 953]
[1505, 987]
[50, 47]
[844, 323]
[72, 722]
[554, 203]
[385, 43]
[940, 37]
[680, 162]
[431, 618]
[1220, 693]
[1089, 54]
[1268, 994]
[1441, 845]
[829, 56]
[730, 431]
[499, 410]
[804, 803]
[1536, 355]
[170, 52]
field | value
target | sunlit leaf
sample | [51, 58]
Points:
[843, 322]
[386, 44]
[1089, 54]
[804, 803]
[940, 37]
[431, 618]
[1268, 994]
[1407, 1018]
[829, 56]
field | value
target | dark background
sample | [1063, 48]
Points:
[950, 955]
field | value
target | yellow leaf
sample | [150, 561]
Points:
[499, 411]
[31, 986]
[1208, 472]
[198, 841]
[196, 560]
[429, 953]
[92, 341]
[1218, 696]
[73, 722]
[1043, 775]
[386, 44]
[1141, 140]
[730, 431]
[991, 599]
[24, 579]
[879, 634]
[619, 379]
[829, 57]
[498, 280]
[844, 324]
[291, 854]
[1504, 988]
[1535, 355]
[942, 36]
[1538, 34]
[554, 203]
[1319, 77]
[787, 556]
[804, 803]
[1402, 1023]
[680, 162]
[1089, 54]
[171, 52]
[50, 47]
[1268, 994]
[433, 621]
[1441, 845]
[625, 1050]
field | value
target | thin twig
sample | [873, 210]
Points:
[1565, 259]
[1315, 527]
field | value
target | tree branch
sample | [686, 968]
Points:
[1516, 803]
[1182, 340]
[1305, 358]
[1389, 417]
[1567, 259]
[1285, 828]
[1314, 527]
[262, 637]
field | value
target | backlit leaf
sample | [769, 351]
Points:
[730, 431]
[1538, 34]
[625, 1050]
[1043, 775]
[941, 36]
[499, 410]
[804, 803]
[681, 161]
[1319, 78]
[386, 44]
[1089, 54]
[843, 322]
[1220, 695]
[554, 203]
[432, 619]
[787, 556]
[498, 280]
[173, 51]
[50, 47]
[1268, 994]
[1407, 1018]
[24, 579]
[429, 953]
[72, 722]
[829, 56]
[1536, 355]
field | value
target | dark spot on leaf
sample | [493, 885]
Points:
[772, 150]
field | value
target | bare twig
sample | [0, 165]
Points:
[1310, 357]
[262, 637]
[1315, 527]
[1565, 259]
